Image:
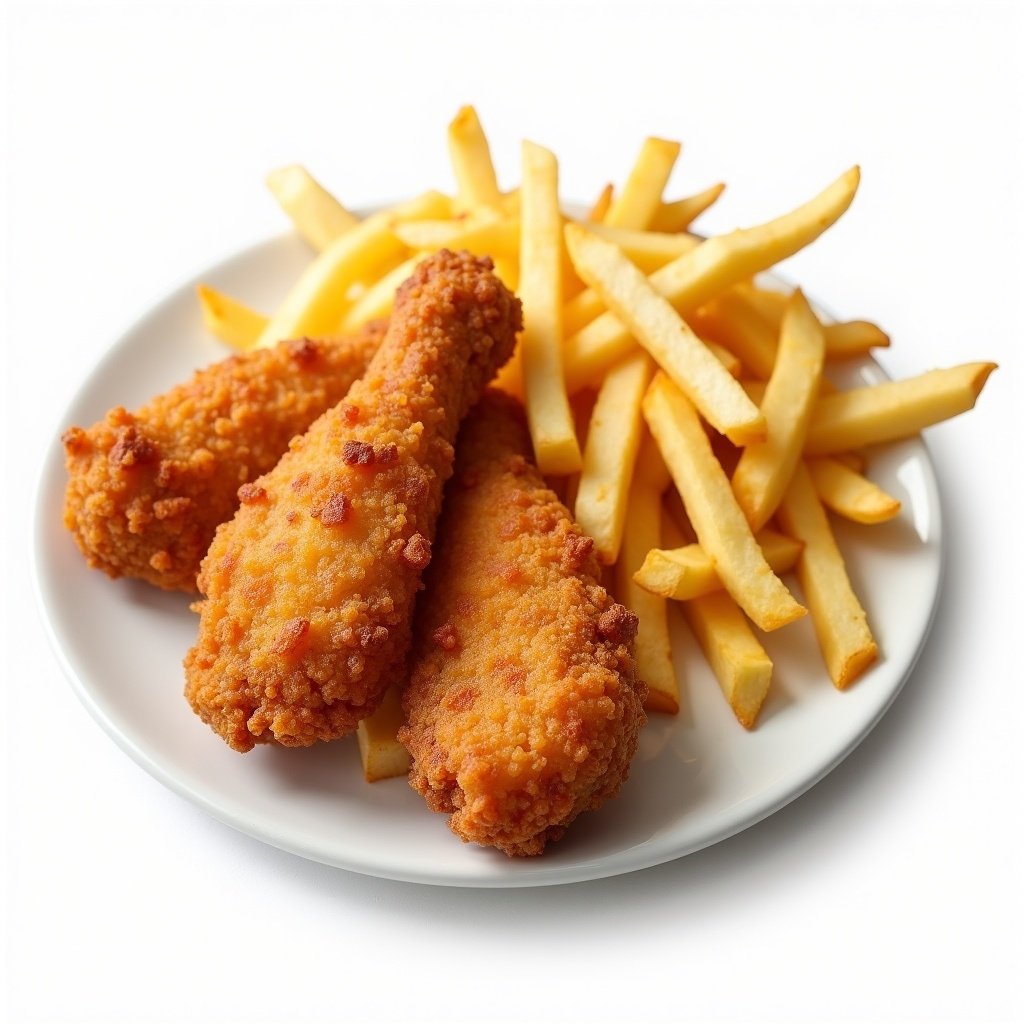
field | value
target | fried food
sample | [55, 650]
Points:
[310, 588]
[148, 489]
[523, 704]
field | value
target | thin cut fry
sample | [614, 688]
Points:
[316, 214]
[610, 455]
[229, 320]
[684, 573]
[483, 232]
[699, 276]
[471, 161]
[382, 755]
[640, 197]
[894, 409]
[680, 214]
[661, 331]
[718, 521]
[318, 300]
[849, 494]
[739, 662]
[379, 298]
[540, 288]
[764, 470]
[601, 204]
[839, 620]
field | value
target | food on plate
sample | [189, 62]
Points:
[523, 704]
[316, 214]
[148, 489]
[230, 320]
[309, 590]
[639, 199]
[843, 490]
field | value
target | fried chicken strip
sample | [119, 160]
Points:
[310, 588]
[523, 704]
[147, 490]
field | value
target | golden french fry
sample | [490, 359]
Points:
[847, 493]
[895, 409]
[680, 214]
[839, 620]
[764, 470]
[229, 320]
[318, 217]
[684, 573]
[609, 457]
[737, 326]
[661, 331]
[379, 297]
[471, 161]
[699, 276]
[382, 755]
[540, 287]
[640, 197]
[739, 662]
[649, 250]
[716, 517]
[318, 300]
[483, 232]
[652, 648]
[601, 204]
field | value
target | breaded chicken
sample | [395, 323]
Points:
[148, 489]
[523, 704]
[310, 588]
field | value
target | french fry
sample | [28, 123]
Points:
[717, 520]
[601, 204]
[739, 662]
[848, 494]
[737, 326]
[540, 287]
[652, 648]
[680, 214]
[649, 250]
[318, 217]
[764, 470]
[382, 755]
[471, 161]
[661, 331]
[714, 266]
[317, 301]
[613, 440]
[483, 232]
[840, 622]
[895, 409]
[229, 320]
[684, 573]
[640, 197]
[379, 299]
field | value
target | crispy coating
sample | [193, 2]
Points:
[523, 704]
[148, 489]
[310, 588]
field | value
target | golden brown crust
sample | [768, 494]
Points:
[309, 591]
[147, 490]
[523, 704]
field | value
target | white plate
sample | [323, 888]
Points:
[697, 778]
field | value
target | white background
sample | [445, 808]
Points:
[137, 138]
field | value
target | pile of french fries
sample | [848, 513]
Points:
[680, 407]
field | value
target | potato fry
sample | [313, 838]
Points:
[847, 493]
[716, 517]
[740, 664]
[840, 622]
[736, 326]
[379, 299]
[318, 300]
[229, 320]
[601, 204]
[764, 470]
[895, 409]
[471, 161]
[714, 266]
[652, 650]
[680, 214]
[684, 573]
[483, 232]
[640, 197]
[613, 441]
[540, 288]
[382, 755]
[318, 217]
[661, 331]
